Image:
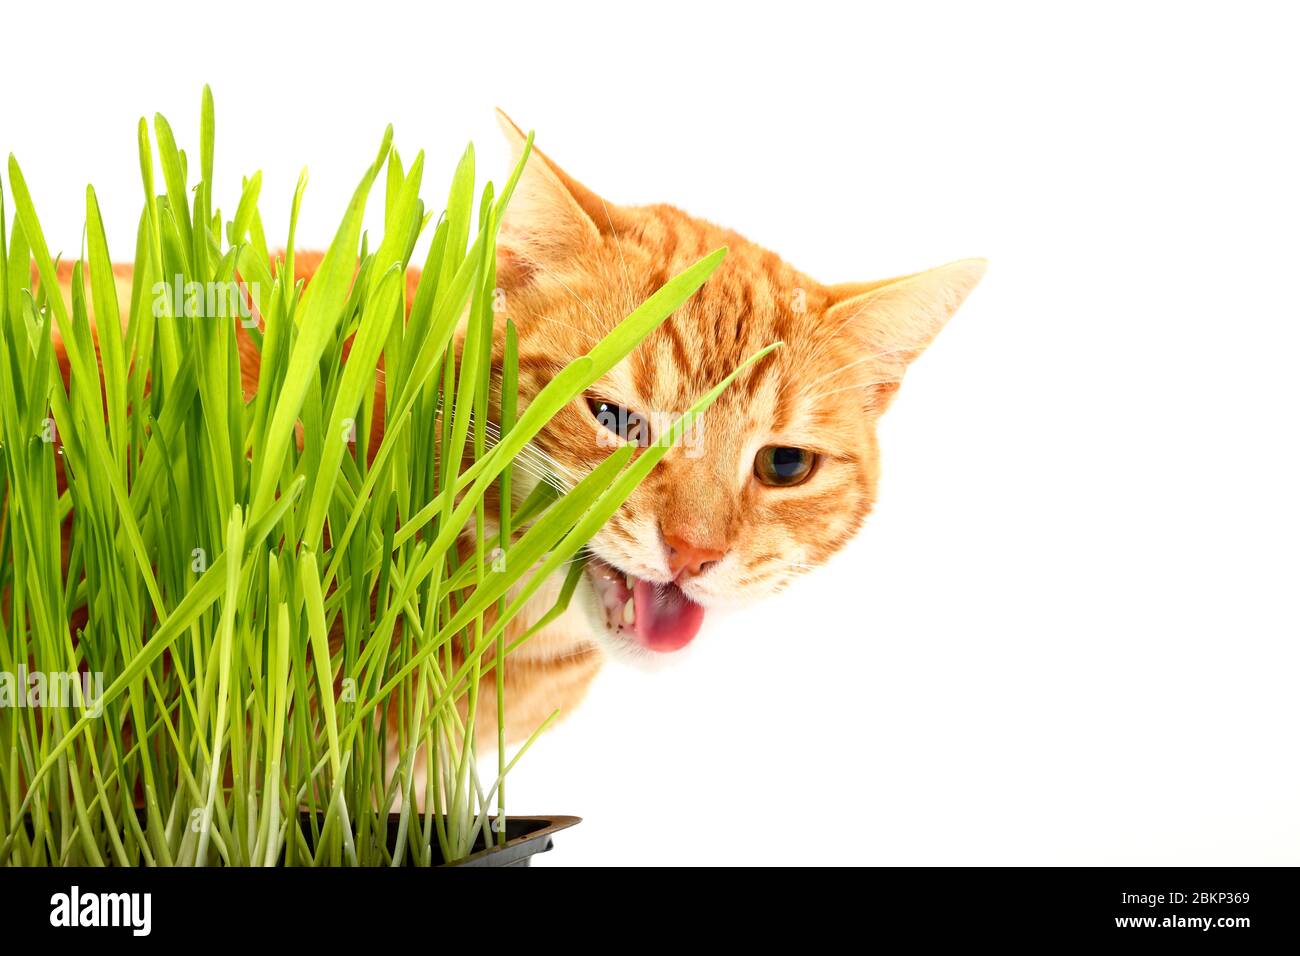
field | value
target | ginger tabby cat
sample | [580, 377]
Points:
[782, 471]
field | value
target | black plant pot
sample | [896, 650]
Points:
[525, 838]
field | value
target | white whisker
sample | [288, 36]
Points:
[627, 282]
[580, 301]
[846, 388]
[859, 361]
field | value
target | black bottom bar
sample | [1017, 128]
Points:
[1229, 906]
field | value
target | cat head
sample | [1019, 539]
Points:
[781, 471]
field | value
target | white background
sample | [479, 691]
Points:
[1069, 632]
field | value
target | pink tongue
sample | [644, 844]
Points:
[666, 619]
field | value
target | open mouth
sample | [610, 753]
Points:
[659, 617]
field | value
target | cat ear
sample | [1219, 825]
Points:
[892, 321]
[551, 215]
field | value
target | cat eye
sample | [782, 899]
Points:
[622, 421]
[784, 467]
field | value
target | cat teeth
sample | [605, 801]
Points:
[628, 580]
[629, 612]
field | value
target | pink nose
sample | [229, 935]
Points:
[687, 559]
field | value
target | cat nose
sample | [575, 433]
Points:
[687, 560]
